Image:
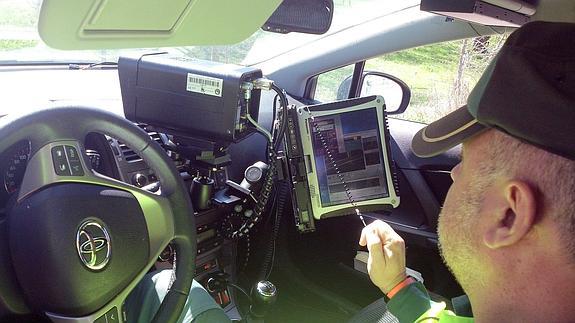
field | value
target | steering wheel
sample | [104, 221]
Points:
[75, 242]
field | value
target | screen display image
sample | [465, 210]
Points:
[353, 139]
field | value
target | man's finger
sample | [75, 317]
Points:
[362, 239]
[376, 227]
[384, 229]
[393, 243]
[394, 249]
[369, 229]
[375, 247]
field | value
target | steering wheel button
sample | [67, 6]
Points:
[76, 168]
[72, 153]
[61, 166]
[101, 319]
[112, 315]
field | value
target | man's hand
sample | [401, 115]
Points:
[386, 262]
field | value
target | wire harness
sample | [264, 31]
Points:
[274, 138]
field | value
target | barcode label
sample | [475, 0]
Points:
[204, 84]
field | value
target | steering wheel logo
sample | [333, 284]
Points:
[93, 245]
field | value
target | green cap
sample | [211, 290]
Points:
[527, 91]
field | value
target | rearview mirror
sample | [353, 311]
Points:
[302, 16]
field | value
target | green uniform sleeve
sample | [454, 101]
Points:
[413, 304]
[410, 303]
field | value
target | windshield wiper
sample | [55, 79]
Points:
[99, 65]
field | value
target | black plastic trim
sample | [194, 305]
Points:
[356, 80]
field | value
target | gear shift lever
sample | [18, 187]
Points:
[263, 295]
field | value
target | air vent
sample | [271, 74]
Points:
[156, 137]
[128, 153]
[131, 156]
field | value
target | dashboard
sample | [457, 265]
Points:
[14, 163]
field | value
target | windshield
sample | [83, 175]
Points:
[21, 44]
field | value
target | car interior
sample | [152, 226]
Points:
[133, 139]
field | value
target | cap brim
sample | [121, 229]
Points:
[445, 133]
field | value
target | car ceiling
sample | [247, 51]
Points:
[555, 10]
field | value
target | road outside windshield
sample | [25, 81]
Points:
[21, 44]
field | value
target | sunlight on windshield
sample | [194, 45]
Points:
[21, 44]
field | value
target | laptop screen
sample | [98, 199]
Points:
[349, 157]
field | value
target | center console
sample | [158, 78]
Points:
[215, 255]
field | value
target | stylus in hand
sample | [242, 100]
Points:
[360, 217]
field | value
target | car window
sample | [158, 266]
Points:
[334, 85]
[440, 76]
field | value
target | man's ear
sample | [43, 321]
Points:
[513, 217]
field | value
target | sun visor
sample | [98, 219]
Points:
[73, 24]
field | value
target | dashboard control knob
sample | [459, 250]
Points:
[255, 172]
[139, 179]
